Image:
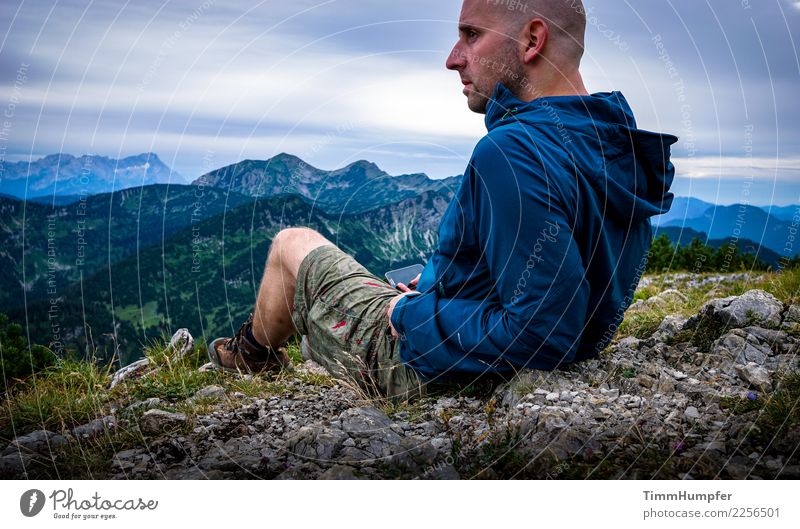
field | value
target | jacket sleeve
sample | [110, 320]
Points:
[535, 269]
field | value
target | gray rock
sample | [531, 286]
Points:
[155, 422]
[691, 414]
[367, 422]
[776, 340]
[443, 472]
[339, 472]
[752, 307]
[741, 346]
[145, 404]
[791, 320]
[211, 392]
[670, 327]
[94, 429]
[305, 470]
[551, 418]
[316, 443]
[134, 370]
[235, 455]
[13, 466]
[630, 343]
[39, 442]
[755, 375]
[415, 454]
[545, 424]
[126, 460]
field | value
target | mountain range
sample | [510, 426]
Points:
[59, 175]
[116, 269]
[358, 187]
[767, 227]
[203, 273]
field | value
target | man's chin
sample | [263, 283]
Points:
[477, 103]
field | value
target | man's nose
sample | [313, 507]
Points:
[456, 60]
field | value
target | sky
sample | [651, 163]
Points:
[207, 83]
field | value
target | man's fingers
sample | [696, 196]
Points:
[413, 282]
[402, 288]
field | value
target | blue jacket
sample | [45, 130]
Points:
[543, 245]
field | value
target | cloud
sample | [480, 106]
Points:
[785, 169]
[254, 78]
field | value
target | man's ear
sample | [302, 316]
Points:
[534, 38]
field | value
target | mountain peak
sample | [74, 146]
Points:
[366, 164]
[364, 168]
[285, 158]
[145, 156]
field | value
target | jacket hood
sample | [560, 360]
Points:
[629, 168]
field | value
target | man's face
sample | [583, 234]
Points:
[485, 53]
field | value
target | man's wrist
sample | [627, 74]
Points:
[395, 301]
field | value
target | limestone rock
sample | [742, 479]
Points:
[180, 345]
[756, 375]
[211, 393]
[339, 472]
[155, 422]
[133, 370]
[42, 442]
[94, 429]
[752, 307]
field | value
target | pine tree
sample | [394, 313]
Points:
[17, 358]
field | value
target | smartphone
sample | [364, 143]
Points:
[403, 275]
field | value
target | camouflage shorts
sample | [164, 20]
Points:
[340, 308]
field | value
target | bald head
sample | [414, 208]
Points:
[566, 23]
[533, 47]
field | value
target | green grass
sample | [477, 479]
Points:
[645, 293]
[135, 314]
[294, 352]
[65, 395]
[528, 386]
[641, 325]
[71, 393]
[172, 380]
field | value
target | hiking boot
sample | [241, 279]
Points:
[239, 354]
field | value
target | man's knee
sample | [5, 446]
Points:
[298, 237]
[291, 245]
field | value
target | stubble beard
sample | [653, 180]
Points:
[512, 75]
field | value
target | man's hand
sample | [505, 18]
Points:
[392, 303]
[406, 290]
[412, 285]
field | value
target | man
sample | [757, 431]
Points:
[539, 252]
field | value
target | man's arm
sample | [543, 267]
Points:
[535, 269]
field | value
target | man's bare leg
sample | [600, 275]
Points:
[272, 321]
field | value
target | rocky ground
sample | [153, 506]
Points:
[713, 395]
